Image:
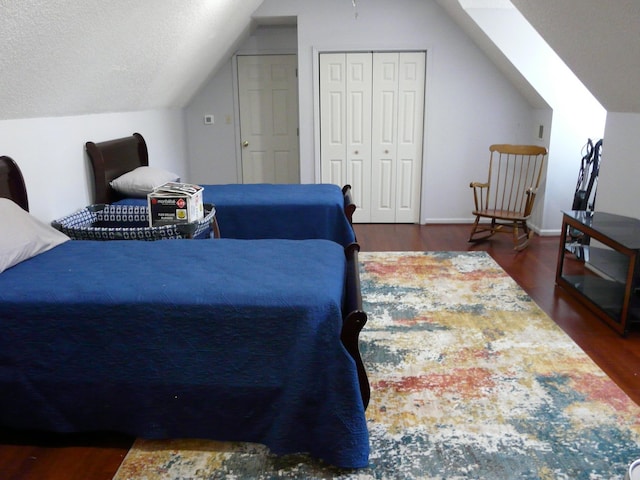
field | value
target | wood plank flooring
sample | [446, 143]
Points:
[26, 456]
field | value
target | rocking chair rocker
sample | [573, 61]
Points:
[506, 199]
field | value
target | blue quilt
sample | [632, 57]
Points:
[222, 339]
[296, 212]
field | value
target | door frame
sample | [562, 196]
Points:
[236, 101]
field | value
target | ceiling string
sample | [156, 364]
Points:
[355, 8]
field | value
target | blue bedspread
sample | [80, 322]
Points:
[222, 339]
[296, 212]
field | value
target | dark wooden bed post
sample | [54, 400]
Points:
[143, 151]
[12, 182]
[100, 194]
[349, 206]
[354, 319]
[113, 158]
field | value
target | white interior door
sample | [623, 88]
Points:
[398, 125]
[333, 162]
[384, 137]
[411, 90]
[268, 100]
[345, 125]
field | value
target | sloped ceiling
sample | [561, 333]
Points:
[598, 40]
[457, 12]
[69, 57]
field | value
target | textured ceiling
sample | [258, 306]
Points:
[598, 40]
[68, 57]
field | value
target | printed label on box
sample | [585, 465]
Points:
[174, 203]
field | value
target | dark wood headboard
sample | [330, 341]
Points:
[12, 184]
[113, 158]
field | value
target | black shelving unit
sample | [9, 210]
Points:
[598, 264]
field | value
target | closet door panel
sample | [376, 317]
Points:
[384, 137]
[333, 145]
[411, 87]
[358, 131]
[362, 182]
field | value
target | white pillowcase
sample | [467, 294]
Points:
[142, 180]
[23, 236]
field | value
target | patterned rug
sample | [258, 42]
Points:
[470, 380]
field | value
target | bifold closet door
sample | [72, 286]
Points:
[397, 133]
[345, 125]
[371, 121]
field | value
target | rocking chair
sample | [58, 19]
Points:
[507, 197]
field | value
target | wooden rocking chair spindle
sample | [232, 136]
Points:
[507, 198]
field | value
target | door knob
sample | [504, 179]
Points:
[245, 144]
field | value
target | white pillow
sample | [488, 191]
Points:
[141, 181]
[22, 236]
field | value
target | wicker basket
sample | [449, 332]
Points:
[129, 222]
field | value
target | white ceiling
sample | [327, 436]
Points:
[69, 57]
[598, 40]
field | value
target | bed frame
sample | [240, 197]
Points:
[113, 158]
[12, 186]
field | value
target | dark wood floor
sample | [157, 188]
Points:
[97, 457]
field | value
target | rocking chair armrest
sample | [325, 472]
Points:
[480, 196]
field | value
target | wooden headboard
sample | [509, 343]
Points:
[113, 158]
[12, 184]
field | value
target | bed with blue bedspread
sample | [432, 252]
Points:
[244, 211]
[296, 212]
[243, 340]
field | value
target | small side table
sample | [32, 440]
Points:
[598, 265]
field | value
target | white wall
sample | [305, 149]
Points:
[56, 169]
[618, 190]
[469, 103]
[213, 149]
[577, 115]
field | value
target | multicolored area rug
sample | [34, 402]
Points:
[470, 380]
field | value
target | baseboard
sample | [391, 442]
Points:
[463, 221]
[448, 221]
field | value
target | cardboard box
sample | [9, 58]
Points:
[175, 203]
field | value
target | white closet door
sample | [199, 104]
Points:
[359, 133]
[410, 136]
[384, 137]
[333, 141]
[345, 125]
[371, 129]
[398, 123]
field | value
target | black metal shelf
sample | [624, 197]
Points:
[603, 277]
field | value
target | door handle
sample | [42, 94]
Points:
[245, 144]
